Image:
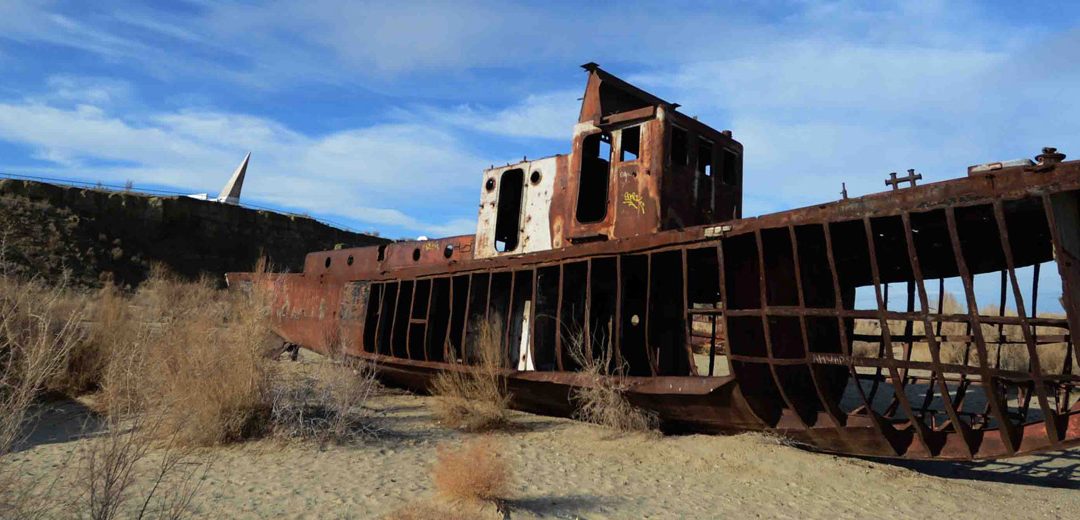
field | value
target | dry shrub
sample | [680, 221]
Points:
[109, 471]
[39, 328]
[85, 370]
[474, 398]
[326, 404]
[473, 472]
[193, 356]
[602, 399]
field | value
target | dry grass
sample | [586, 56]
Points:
[603, 401]
[201, 360]
[474, 398]
[326, 404]
[39, 329]
[473, 472]
[193, 356]
[176, 365]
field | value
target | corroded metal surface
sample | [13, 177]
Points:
[782, 322]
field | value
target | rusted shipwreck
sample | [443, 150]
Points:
[718, 323]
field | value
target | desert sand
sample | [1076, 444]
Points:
[567, 469]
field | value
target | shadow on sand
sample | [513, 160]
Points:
[569, 506]
[1057, 469]
[58, 420]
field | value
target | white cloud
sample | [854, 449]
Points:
[27, 21]
[814, 112]
[399, 175]
[100, 91]
[819, 92]
[548, 115]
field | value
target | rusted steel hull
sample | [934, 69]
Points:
[798, 354]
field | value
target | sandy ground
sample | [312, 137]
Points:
[566, 469]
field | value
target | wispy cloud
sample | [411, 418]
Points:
[547, 115]
[385, 113]
[381, 175]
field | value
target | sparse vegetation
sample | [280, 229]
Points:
[39, 329]
[326, 404]
[108, 473]
[602, 400]
[474, 398]
[193, 356]
[174, 366]
[473, 472]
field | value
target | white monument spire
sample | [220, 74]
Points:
[231, 193]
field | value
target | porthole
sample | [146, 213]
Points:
[328, 262]
[490, 185]
[448, 251]
[534, 178]
[349, 261]
[416, 255]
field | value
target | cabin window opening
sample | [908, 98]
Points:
[382, 252]
[448, 251]
[349, 261]
[416, 254]
[327, 262]
[593, 181]
[534, 179]
[704, 180]
[630, 145]
[730, 174]
[508, 213]
[679, 148]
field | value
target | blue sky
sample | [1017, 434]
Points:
[382, 115]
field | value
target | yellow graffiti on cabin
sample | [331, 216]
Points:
[634, 200]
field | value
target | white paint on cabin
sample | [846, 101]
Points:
[534, 223]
